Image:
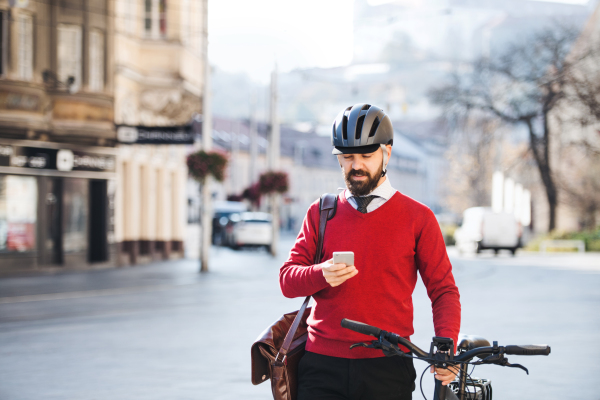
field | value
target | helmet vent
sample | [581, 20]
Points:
[374, 127]
[365, 107]
[334, 131]
[359, 125]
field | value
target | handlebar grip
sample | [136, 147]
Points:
[528, 350]
[361, 327]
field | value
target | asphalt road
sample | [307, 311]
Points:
[163, 331]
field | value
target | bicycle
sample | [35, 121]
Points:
[464, 387]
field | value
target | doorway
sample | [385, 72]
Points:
[98, 240]
[75, 224]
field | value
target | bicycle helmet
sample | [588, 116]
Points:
[362, 129]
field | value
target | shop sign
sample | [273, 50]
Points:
[55, 159]
[155, 134]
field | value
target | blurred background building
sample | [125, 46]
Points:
[158, 83]
[57, 160]
[71, 72]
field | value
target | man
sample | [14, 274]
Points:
[392, 237]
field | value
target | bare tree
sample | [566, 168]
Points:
[469, 172]
[521, 86]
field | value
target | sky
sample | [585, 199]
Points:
[251, 36]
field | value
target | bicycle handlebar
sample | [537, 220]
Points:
[523, 350]
[361, 328]
[528, 350]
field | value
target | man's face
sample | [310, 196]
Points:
[362, 171]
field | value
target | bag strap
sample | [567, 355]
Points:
[327, 209]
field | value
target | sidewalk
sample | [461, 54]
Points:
[158, 275]
[584, 262]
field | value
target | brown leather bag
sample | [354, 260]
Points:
[278, 350]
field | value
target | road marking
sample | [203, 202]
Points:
[87, 293]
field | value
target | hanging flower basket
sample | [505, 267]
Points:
[252, 194]
[202, 163]
[273, 182]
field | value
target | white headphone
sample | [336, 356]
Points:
[385, 159]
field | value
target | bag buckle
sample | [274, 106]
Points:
[283, 360]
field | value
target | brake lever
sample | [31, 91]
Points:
[500, 360]
[505, 363]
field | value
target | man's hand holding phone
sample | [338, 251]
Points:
[339, 269]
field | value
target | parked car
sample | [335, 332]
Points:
[250, 229]
[484, 229]
[223, 210]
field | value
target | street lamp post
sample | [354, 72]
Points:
[206, 213]
[273, 159]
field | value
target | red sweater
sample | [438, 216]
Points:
[390, 245]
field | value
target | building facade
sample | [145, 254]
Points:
[57, 136]
[575, 143]
[158, 83]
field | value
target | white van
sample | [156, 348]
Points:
[484, 229]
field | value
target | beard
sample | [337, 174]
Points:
[363, 187]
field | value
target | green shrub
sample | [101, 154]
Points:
[590, 238]
[448, 233]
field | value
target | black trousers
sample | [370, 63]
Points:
[331, 378]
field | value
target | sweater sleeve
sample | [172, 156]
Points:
[298, 276]
[436, 272]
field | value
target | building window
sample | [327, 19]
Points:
[155, 18]
[96, 83]
[148, 16]
[69, 54]
[18, 213]
[25, 55]
[162, 15]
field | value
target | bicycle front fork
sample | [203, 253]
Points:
[443, 392]
[446, 393]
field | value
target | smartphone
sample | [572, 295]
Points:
[343, 257]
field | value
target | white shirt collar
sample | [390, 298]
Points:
[385, 190]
